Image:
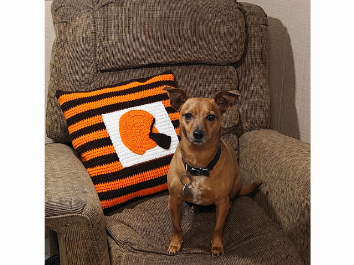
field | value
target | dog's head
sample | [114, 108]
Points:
[200, 118]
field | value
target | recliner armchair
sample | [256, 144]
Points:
[209, 46]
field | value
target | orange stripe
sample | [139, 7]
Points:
[85, 123]
[177, 131]
[68, 97]
[135, 179]
[166, 103]
[174, 116]
[105, 150]
[113, 100]
[98, 119]
[105, 169]
[90, 137]
[140, 193]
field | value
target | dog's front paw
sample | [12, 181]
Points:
[174, 248]
[175, 245]
[217, 249]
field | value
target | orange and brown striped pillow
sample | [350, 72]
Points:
[125, 135]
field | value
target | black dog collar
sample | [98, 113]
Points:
[202, 171]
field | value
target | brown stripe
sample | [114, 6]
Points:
[84, 123]
[101, 160]
[171, 110]
[116, 107]
[130, 171]
[130, 189]
[117, 206]
[87, 130]
[101, 151]
[110, 101]
[132, 180]
[73, 103]
[175, 123]
[93, 145]
[83, 139]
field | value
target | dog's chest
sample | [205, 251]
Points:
[199, 189]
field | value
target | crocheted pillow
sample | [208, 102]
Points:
[125, 135]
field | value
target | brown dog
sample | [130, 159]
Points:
[204, 169]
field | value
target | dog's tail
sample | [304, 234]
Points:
[250, 188]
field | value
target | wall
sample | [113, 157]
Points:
[49, 39]
[289, 65]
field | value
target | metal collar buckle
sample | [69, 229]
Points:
[199, 171]
[202, 171]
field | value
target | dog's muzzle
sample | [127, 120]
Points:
[198, 134]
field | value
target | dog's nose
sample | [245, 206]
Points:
[198, 134]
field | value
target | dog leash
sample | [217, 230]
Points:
[198, 171]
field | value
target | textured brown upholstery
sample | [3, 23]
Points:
[250, 236]
[160, 31]
[210, 46]
[252, 70]
[74, 64]
[72, 208]
[283, 164]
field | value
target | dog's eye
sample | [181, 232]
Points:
[211, 117]
[188, 116]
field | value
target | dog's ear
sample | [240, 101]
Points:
[177, 97]
[225, 99]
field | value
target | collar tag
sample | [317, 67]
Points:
[185, 189]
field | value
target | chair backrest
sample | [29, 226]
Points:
[210, 45]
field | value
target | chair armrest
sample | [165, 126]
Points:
[73, 209]
[283, 164]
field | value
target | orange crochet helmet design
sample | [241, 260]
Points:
[138, 133]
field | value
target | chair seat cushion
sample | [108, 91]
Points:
[140, 233]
